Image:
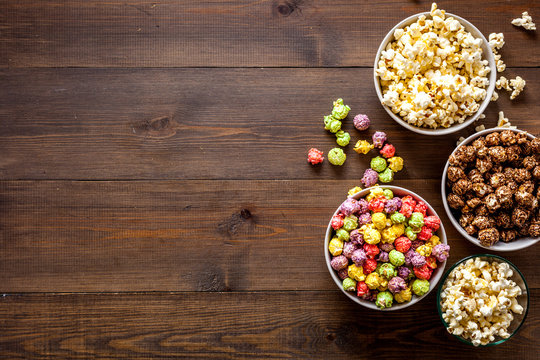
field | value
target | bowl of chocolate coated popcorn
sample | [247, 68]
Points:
[490, 189]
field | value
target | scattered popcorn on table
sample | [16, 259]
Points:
[386, 176]
[340, 110]
[518, 84]
[388, 151]
[495, 96]
[460, 140]
[336, 156]
[343, 138]
[525, 21]
[361, 122]
[503, 122]
[354, 190]
[503, 83]
[478, 299]
[381, 262]
[315, 156]
[363, 147]
[433, 73]
[379, 138]
[479, 128]
[395, 163]
[370, 178]
[496, 41]
[378, 164]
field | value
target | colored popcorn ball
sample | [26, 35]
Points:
[402, 244]
[348, 207]
[331, 124]
[340, 110]
[420, 287]
[348, 248]
[364, 218]
[379, 138]
[396, 284]
[416, 220]
[387, 271]
[403, 296]
[356, 237]
[361, 122]
[404, 272]
[359, 256]
[354, 190]
[388, 151]
[362, 147]
[378, 164]
[336, 156]
[369, 266]
[392, 205]
[432, 222]
[423, 272]
[372, 236]
[425, 234]
[343, 274]
[337, 221]
[349, 284]
[431, 261]
[370, 178]
[342, 234]
[386, 176]
[397, 217]
[424, 250]
[389, 194]
[410, 233]
[441, 252]
[361, 289]
[434, 240]
[377, 204]
[373, 280]
[395, 163]
[315, 156]
[379, 220]
[383, 257]
[350, 222]
[415, 259]
[343, 138]
[356, 272]
[384, 299]
[421, 207]
[339, 262]
[362, 206]
[371, 250]
[375, 192]
[335, 246]
[409, 202]
[396, 257]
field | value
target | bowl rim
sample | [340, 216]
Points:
[489, 92]
[449, 271]
[499, 246]
[368, 304]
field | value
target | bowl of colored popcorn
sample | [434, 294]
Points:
[490, 189]
[385, 247]
[434, 73]
[483, 300]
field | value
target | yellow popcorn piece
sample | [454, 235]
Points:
[434, 240]
[335, 246]
[363, 147]
[356, 272]
[424, 250]
[395, 163]
[373, 280]
[403, 296]
[354, 190]
[379, 220]
[372, 236]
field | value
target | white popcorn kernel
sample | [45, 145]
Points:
[525, 21]
[495, 96]
[496, 41]
[480, 128]
[518, 84]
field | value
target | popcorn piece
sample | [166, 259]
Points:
[343, 138]
[354, 190]
[460, 140]
[336, 156]
[388, 151]
[479, 128]
[315, 156]
[518, 84]
[331, 124]
[503, 83]
[525, 21]
[340, 110]
[378, 164]
[495, 96]
[379, 137]
[395, 163]
[363, 147]
[496, 41]
[361, 122]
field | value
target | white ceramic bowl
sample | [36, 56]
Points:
[488, 55]
[435, 277]
[517, 244]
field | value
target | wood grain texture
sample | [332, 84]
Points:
[156, 33]
[62, 236]
[276, 325]
[207, 123]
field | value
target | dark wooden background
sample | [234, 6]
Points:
[155, 200]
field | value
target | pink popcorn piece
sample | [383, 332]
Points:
[432, 222]
[379, 138]
[388, 151]
[370, 177]
[361, 122]
[315, 156]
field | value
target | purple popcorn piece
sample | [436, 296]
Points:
[415, 259]
[371, 295]
[441, 252]
[383, 257]
[370, 177]
[359, 256]
[343, 274]
[392, 205]
[396, 284]
[403, 272]
[386, 247]
[356, 237]
[361, 122]
[362, 206]
[348, 207]
[339, 262]
[364, 219]
[348, 249]
[378, 139]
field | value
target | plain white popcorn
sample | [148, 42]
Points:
[432, 74]
[479, 299]
[496, 42]
[524, 21]
[518, 84]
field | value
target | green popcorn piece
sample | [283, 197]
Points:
[387, 271]
[416, 221]
[410, 233]
[420, 287]
[396, 258]
[342, 234]
[350, 223]
[331, 124]
[384, 299]
[343, 138]
[386, 176]
[398, 218]
[340, 110]
[388, 194]
[349, 284]
[337, 156]
[378, 164]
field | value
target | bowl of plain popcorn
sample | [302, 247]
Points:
[483, 300]
[434, 73]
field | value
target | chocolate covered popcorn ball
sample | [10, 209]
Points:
[336, 156]
[361, 122]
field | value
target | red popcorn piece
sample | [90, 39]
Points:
[431, 261]
[408, 200]
[315, 156]
[424, 234]
[361, 289]
[402, 244]
[406, 209]
[432, 222]
[369, 266]
[377, 204]
[424, 272]
[421, 207]
[337, 221]
[371, 250]
[388, 151]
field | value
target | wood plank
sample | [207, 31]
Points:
[297, 325]
[169, 33]
[206, 123]
[64, 236]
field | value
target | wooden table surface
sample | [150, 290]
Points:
[155, 200]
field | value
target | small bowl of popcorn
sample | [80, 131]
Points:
[434, 73]
[490, 187]
[483, 300]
